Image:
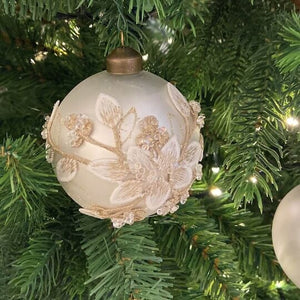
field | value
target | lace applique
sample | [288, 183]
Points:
[178, 100]
[66, 169]
[80, 127]
[193, 154]
[108, 110]
[151, 137]
[109, 169]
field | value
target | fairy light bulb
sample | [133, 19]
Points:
[253, 179]
[215, 170]
[215, 191]
[292, 122]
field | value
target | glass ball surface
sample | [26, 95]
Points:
[119, 144]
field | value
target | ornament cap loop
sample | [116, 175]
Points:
[124, 60]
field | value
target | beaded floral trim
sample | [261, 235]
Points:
[157, 169]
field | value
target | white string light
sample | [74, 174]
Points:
[215, 170]
[145, 57]
[215, 191]
[253, 179]
[279, 284]
[291, 121]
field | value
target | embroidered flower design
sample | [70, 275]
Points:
[150, 178]
[80, 126]
[151, 138]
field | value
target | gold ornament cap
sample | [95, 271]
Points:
[124, 61]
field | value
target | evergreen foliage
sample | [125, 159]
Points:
[38, 268]
[240, 60]
[122, 263]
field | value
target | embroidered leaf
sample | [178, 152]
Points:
[127, 125]
[66, 169]
[178, 100]
[201, 141]
[157, 194]
[89, 212]
[108, 110]
[170, 152]
[181, 177]
[193, 154]
[109, 169]
[127, 192]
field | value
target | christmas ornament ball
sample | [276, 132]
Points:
[125, 146]
[286, 234]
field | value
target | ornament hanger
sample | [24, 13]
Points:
[122, 38]
[124, 60]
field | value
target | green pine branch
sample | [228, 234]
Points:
[44, 9]
[36, 57]
[192, 239]
[259, 289]
[288, 58]
[243, 67]
[122, 263]
[39, 267]
[51, 264]
[75, 275]
[8, 252]
[25, 178]
[250, 238]
[255, 149]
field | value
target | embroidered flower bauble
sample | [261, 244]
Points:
[125, 147]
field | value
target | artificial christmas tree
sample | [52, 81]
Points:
[240, 60]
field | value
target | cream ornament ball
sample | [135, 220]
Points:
[286, 234]
[125, 144]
